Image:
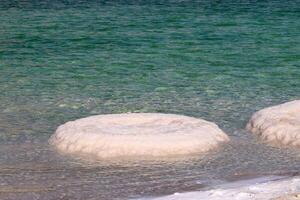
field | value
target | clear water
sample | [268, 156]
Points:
[218, 60]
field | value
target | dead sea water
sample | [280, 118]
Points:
[64, 60]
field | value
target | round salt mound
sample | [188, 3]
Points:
[278, 124]
[137, 134]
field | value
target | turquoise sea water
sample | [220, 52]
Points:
[218, 60]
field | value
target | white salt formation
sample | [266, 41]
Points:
[137, 134]
[278, 124]
[281, 189]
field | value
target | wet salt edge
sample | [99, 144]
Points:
[259, 188]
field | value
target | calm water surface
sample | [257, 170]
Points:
[218, 60]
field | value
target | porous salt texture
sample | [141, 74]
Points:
[137, 134]
[278, 124]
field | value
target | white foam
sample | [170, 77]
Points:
[137, 134]
[278, 124]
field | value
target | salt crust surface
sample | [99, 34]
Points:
[278, 124]
[253, 190]
[137, 134]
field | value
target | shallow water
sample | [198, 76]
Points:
[63, 60]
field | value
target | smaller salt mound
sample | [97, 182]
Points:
[137, 134]
[278, 124]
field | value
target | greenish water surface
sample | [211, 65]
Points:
[217, 60]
